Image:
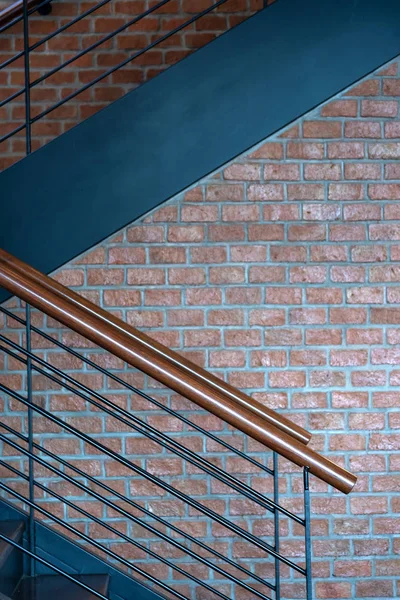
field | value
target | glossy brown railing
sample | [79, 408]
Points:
[140, 351]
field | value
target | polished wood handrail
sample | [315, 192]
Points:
[14, 10]
[167, 367]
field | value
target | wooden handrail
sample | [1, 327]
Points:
[14, 10]
[167, 367]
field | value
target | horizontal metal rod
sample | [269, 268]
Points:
[147, 526]
[134, 505]
[142, 394]
[126, 539]
[149, 431]
[157, 481]
[53, 567]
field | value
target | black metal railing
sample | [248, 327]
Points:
[28, 48]
[224, 566]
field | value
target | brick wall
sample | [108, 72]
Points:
[88, 31]
[280, 273]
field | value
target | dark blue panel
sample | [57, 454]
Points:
[188, 121]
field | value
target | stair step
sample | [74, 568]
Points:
[44, 587]
[13, 530]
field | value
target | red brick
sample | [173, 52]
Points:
[226, 233]
[224, 193]
[245, 172]
[346, 150]
[267, 317]
[220, 275]
[365, 295]
[340, 108]
[335, 589]
[121, 298]
[202, 337]
[323, 337]
[185, 233]
[282, 172]
[267, 274]
[367, 421]
[305, 150]
[307, 232]
[384, 151]
[353, 568]
[186, 276]
[225, 317]
[240, 213]
[384, 191]
[321, 212]
[348, 274]
[208, 255]
[347, 358]
[325, 171]
[281, 212]
[265, 233]
[268, 192]
[392, 171]
[346, 191]
[146, 276]
[308, 274]
[322, 129]
[162, 297]
[362, 171]
[368, 378]
[305, 191]
[300, 358]
[285, 254]
[199, 213]
[328, 253]
[375, 589]
[268, 358]
[270, 150]
[145, 233]
[307, 316]
[126, 256]
[392, 130]
[282, 295]
[203, 297]
[342, 233]
[287, 379]
[282, 337]
[379, 108]
[324, 295]
[362, 129]
[167, 255]
[227, 358]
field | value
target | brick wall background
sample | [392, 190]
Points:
[88, 31]
[281, 273]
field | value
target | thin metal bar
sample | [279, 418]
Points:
[158, 533]
[307, 519]
[276, 527]
[31, 464]
[92, 542]
[134, 505]
[146, 429]
[54, 568]
[128, 60]
[140, 393]
[157, 481]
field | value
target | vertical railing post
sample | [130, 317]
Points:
[276, 527]
[28, 135]
[31, 532]
[307, 522]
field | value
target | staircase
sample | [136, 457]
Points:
[82, 186]
[284, 438]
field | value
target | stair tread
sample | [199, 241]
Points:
[13, 530]
[43, 587]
